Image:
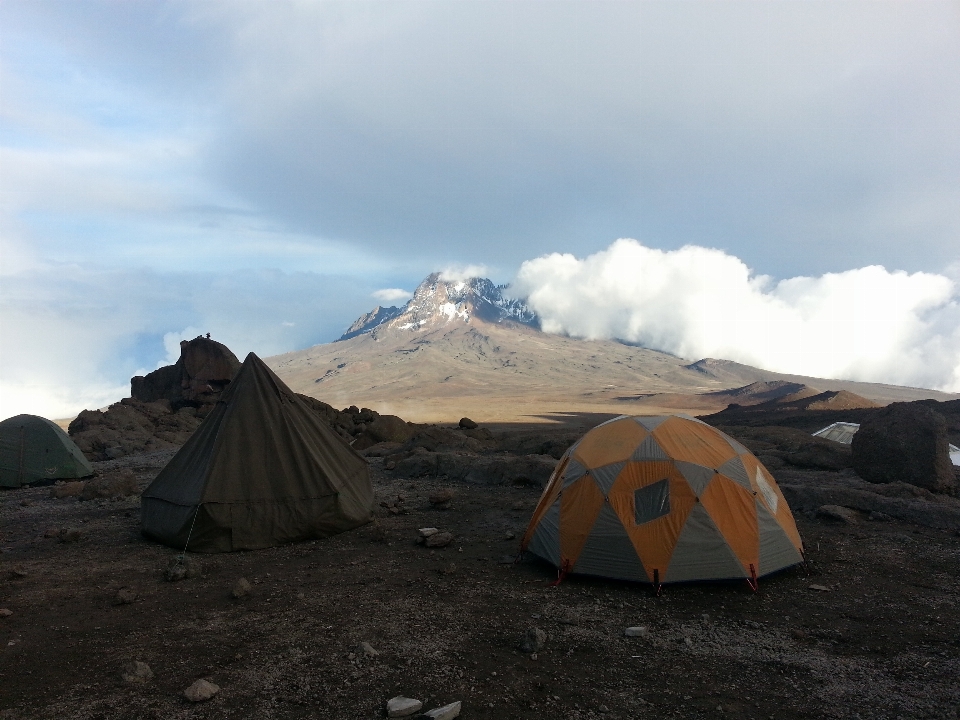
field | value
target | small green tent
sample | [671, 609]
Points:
[32, 449]
[261, 469]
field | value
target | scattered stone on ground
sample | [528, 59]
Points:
[136, 672]
[201, 691]
[474, 468]
[838, 513]
[6, 612]
[368, 649]
[125, 596]
[67, 489]
[438, 540]
[182, 567]
[52, 532]
[241, 589]
[819, 588]
[120, 483]
[640, 631]
[70, 535]
[447, 712]
[401, 706]
[533, 640]
[427, 532]
[441, 497]
[468, 424]
[445, 635]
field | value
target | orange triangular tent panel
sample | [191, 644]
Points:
[666, 497]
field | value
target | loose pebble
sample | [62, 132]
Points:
[201, 691]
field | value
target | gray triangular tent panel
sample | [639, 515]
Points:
[701, 553]
[738, 447]
[734, 469]
[649, 449]
[605, 476]
[776, 550]
[697, 476]
[651, 423]
[608, 551]
[546, 538]
[573, 472]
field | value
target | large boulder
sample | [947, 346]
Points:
[905, 442]
[204, 369]
[132, 427]
[389, 428]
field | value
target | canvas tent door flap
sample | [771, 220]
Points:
[262, 469]
[663, 499]
[33, 449]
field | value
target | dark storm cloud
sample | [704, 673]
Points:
[802, 137]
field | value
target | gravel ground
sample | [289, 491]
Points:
[880, 641]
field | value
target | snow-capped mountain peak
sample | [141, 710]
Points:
[437, 301]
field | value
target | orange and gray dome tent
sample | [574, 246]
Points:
[663, 499]
[262, 469]
[33, 449]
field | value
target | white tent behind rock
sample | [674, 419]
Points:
[843, 432]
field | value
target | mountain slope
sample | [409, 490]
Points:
[462, 348]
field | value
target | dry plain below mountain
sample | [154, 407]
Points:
[509, 372]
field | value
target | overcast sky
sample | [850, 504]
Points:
[265, 170]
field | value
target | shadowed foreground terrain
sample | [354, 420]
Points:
[878, 639]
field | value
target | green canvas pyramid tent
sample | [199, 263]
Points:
[32, 449]
[262, 469]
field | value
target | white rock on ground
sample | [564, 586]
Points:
[639, 631]
[200, 691]
[401, 706]
[447, 712]
[427, 532]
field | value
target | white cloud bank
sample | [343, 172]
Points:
[392, 295]
[865, 324]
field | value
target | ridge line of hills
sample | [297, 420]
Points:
[462, 347]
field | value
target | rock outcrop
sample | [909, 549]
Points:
[132, 427]
[204, 369]
[905, 442]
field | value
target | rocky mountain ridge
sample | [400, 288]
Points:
[438, 301]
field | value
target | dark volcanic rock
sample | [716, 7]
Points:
[389, 428]
[477, 469]
[776, 446]
[204, 369]
[905, 442]
[130, 427]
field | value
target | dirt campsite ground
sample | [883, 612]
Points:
[873, 632]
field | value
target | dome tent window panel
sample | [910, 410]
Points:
[651, 502]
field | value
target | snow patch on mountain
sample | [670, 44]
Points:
[438, 301]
